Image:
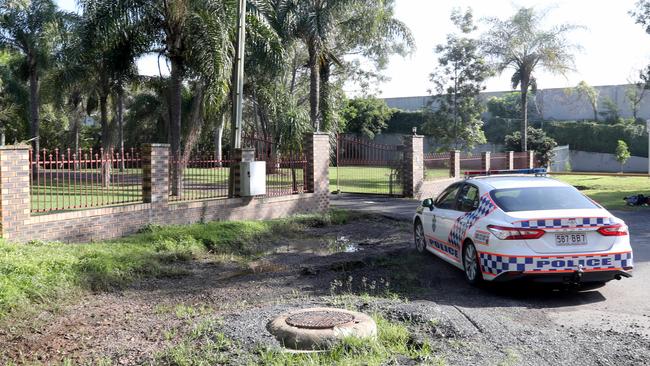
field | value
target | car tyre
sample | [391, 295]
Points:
[471, 265]
[418, 237]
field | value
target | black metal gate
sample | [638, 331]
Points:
[362, 166]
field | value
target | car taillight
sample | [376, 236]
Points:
[613, 230]
[515, 233]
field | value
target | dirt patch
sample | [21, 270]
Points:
[224, 307]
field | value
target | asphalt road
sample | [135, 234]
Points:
[622, 306]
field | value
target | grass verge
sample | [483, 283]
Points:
[40, 273]
[610, 191]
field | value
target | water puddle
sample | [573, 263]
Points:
[342, 244]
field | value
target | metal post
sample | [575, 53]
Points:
[238, 77]
[648, 131]
[237, 95]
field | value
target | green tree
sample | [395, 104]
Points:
[635, 92]
[332, 29]
[590, 94]
[196, 37]
[31, 29]
[611, 111]
[520, 43]
[458, 80]
[366, 116]
[622, 153]
[538, 141]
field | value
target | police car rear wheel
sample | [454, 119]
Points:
[471, 265]
[418, 236]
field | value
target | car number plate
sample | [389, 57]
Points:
[571, 239]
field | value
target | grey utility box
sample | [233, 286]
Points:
[253, 178]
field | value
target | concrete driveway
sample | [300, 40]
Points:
[620, 306]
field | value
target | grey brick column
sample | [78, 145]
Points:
[485, 161]
[317, 152]
[155, 173]
[531, 159]
[454, 164]
[15, 199]
[413, 169]
[511, 160]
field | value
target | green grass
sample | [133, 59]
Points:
[610, 191]
[392, 344]
[373, 180]
[43, 274]
[59, 192]
[206, 345]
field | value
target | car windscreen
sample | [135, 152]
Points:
[540, 198]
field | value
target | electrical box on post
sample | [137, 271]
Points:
[252, 179]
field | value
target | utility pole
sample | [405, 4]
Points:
[237, 90]
[238, 76]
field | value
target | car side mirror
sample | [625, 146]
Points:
[428, 203]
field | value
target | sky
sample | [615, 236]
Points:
[614, 48]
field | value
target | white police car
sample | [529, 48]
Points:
[507, 225]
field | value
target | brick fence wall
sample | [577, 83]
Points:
[18, 225]
[415, 186]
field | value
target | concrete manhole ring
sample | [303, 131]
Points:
[318, 328]
[319, 319]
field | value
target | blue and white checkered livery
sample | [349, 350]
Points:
[564, 223]
[497, 226]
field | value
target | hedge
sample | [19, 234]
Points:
[598, 137]
[403, 122]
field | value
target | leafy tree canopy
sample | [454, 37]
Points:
[458, 80]
[538, 141]
[366, 116]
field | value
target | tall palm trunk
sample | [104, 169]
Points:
[218, 140]
[314, 87]
[175, 126]
[107, 145]
[524, 114]
[120, 125]
[325, 106]
[195, 125]
[33, 112]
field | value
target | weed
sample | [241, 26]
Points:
[43, 274]
[392, 344]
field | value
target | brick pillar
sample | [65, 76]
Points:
[511, 160]
[317, 153]
[485, 161]
[155, 173]
[454, 164]
[530, 157]
[413, 170]
[15, 200]
[243, 154]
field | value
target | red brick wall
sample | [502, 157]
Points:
[111, 222]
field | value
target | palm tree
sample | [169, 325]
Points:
[315, 23]
[29, 27]
[520, 43]
[190, 34]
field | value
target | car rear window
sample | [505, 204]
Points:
[540, 198]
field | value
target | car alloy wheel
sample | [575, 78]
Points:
[470, 262]
[420, 240]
